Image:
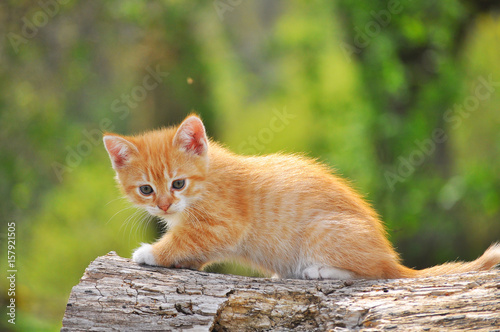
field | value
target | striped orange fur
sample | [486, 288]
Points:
[283, 214]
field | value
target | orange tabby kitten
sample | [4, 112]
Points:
[280, 213]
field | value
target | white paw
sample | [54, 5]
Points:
[320, 272]
[144, 255]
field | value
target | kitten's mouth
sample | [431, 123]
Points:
[167, 213]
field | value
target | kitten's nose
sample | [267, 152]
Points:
[164, 207]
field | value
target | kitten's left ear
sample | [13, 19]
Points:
[191, 136]
[119, 149]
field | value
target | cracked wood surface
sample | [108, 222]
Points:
[117, 294]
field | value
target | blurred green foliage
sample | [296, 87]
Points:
[360, 85]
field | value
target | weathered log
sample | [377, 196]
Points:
[117, 294]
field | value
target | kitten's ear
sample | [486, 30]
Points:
[191, 136]
[119, 149]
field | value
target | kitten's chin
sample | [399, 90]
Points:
[171, 219]
[162, 214]
[167, 214]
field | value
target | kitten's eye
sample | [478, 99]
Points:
[146, 190]
[178, 184]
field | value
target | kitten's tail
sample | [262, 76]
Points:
[489, 259]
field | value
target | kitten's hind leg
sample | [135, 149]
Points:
[321, 272]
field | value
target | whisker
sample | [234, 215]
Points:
[145, 224]
[119, 211]
[130, 221]
[115, 199]
[136, 223]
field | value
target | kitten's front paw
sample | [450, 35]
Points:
[144, 255]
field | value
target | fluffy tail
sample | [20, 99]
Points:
[489, 259]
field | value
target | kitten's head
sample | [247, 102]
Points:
[162, 171]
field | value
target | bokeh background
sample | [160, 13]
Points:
[401, 97]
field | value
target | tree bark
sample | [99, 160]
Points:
[117, 294]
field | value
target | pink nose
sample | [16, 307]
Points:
[164, 207]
